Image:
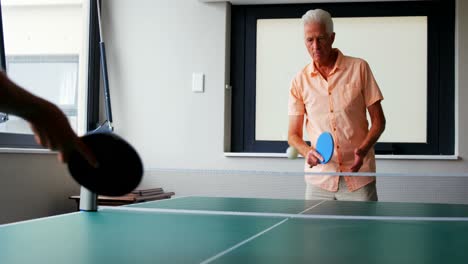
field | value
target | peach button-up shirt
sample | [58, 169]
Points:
[338, 106]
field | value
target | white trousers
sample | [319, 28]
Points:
[365, 193]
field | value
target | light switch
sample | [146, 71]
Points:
[198, 82]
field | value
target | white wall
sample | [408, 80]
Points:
[46, 30]
[34, 185]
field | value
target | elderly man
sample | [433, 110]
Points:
[333, 92]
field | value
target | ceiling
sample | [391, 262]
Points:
[257, 2]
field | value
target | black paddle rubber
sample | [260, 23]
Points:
[119, 168]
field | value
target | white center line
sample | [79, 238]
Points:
[241, 243]
[313, 206]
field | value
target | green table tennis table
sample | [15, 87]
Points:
[244, 230]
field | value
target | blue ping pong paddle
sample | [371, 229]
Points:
[325, 146]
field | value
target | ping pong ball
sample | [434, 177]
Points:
[291, 152]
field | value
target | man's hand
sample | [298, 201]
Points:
[313, 158]
[359, 155]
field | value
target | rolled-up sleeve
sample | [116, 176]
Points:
[371, 89]
[296, 101]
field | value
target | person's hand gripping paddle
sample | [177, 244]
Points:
[118, 170]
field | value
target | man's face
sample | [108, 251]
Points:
[318, 42]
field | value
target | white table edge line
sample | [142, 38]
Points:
[284, 215]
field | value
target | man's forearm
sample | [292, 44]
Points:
[298, 143]
[378, 126]
[375, 131]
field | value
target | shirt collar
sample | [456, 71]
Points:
[339, 64]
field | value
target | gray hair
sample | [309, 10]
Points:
[319, 16]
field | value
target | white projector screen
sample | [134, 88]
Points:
[394, 47]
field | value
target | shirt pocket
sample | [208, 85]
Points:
[352, 97]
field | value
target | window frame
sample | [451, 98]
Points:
[441, 80]
[22, 141]
[64, 58]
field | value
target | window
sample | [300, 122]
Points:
[51, 77]
[409, 45]
[45, 50]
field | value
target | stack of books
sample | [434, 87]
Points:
[137, 196]
[149, 194]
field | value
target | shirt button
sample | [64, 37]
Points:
[331, 110]
[329, 93]
[337, 146]
[334, 129]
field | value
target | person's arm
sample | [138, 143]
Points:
[377, 127]
[13, 99]
[295, 139]
[49, 124]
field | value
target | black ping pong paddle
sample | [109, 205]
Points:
[119, 168]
